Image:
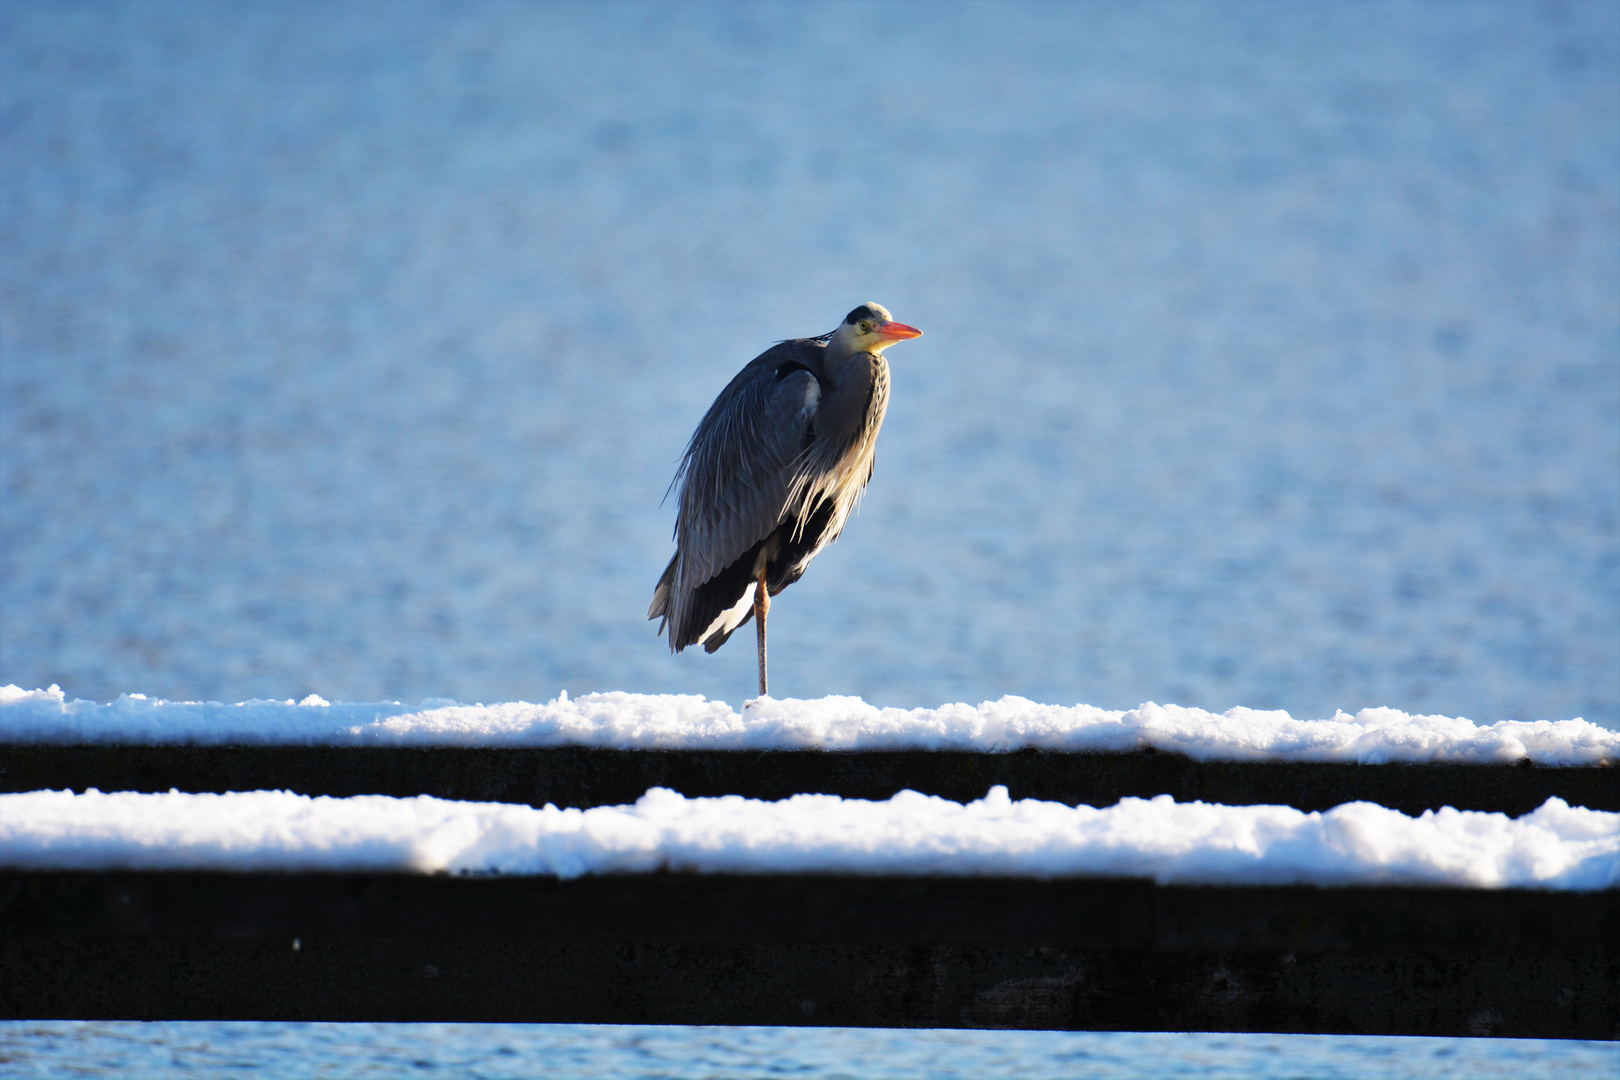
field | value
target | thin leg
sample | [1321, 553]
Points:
[762, 604]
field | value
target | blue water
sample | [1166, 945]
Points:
[493, 1051]
[1272, 354]
[1272, 359]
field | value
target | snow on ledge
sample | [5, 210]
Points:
[1554, 847]
[669, 721]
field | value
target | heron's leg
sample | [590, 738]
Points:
[762, 604]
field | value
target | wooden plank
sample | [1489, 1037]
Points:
[582, 776]
[1105, 954]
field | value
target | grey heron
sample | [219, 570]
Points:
[771, 475]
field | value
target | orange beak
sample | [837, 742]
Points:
[898, 331]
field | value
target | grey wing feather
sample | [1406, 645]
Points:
[737, 472]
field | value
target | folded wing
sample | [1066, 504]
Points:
[736, 478]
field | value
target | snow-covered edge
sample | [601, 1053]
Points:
[669, 721]
[1554, 847]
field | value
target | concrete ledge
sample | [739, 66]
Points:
[690, 949]
[582, 777]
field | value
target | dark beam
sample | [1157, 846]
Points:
[717, 949]
[580, 776]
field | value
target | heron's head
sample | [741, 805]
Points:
[869, 329]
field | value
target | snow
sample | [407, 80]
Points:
[671, 721]
[1554, 847]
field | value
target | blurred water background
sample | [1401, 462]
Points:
[1272, 359]
[1272, 354]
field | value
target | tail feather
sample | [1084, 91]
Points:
[718, 639]
[659, 608]
[707, 614]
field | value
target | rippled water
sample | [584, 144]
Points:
[1272, 351]
[510, 1050]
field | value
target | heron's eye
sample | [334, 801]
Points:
[866, 328]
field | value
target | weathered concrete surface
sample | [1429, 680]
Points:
[579, 776]
[690, 949]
